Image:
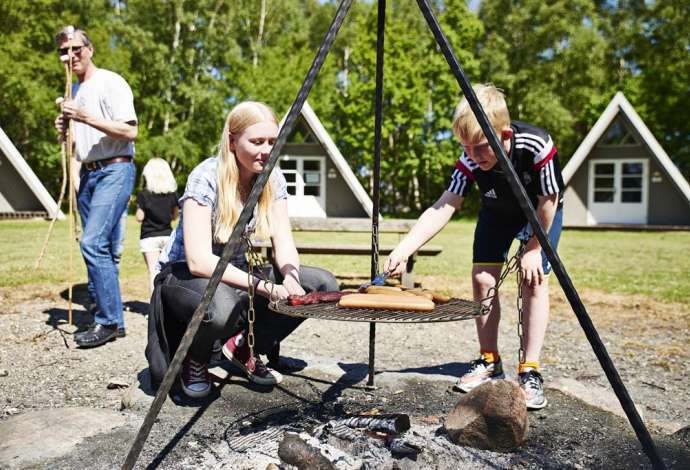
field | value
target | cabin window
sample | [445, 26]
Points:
[631, 187]
[305, 176]
[618, 134]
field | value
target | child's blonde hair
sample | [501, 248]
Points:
[158, 177]
[492, 99]
[239, 118]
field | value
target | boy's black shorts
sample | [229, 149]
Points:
[493, 236]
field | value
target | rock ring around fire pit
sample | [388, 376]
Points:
[453, 310]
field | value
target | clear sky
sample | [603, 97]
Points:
[474, 5]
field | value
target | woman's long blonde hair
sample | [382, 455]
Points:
[158, 177]
[239, 118]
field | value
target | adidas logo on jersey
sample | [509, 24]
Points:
[491, 193]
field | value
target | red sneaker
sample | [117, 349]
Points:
[195, 380]
[237, 350]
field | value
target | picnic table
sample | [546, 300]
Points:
[352, 225]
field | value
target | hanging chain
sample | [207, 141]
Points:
[520, 326]
[254, 260]
[375, 243]
[510, 266]
[251, 313]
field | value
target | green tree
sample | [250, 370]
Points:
[419, 96]
[178, 57]
[551, 60]
[650, 62]
[32, 77]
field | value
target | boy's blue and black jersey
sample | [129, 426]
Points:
[534, 157]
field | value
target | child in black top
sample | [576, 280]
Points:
[533, 155]
[156, 209]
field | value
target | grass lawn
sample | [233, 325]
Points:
[652, 264]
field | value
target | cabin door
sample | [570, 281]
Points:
[617, 191]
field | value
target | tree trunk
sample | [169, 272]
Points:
[177, 11]
[209, 30]
[346, 64]
[415, 192]
[259, 36]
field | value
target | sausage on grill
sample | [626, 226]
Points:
[315, 298]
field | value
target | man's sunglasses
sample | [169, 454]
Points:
[75, 50]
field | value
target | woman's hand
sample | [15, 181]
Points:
[293, 286]
[275, 291]
[532, 271]
[396, 264]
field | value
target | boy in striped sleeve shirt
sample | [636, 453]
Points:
[533, 155]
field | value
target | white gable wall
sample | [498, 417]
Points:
[667, 192]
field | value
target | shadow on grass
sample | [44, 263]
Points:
[452, 369]
[137, 306]
[60, 316]
[80, 295]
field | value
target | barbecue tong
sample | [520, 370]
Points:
[379, 280]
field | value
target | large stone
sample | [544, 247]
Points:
[492, 416]
[35, 436]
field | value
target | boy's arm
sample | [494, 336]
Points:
[429, 224]
[531, 260]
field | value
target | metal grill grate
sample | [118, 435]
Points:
[453, 310]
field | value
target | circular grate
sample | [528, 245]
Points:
[453, 310]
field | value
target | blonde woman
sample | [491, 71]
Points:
[211, 204]
[156, 209]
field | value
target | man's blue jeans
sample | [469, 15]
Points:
[103, 197]
[117, 243]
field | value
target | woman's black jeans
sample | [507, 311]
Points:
[181, 294]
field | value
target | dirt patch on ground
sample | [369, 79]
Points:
[41, 368]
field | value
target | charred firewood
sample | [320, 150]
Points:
[295, 451]
[399, 447]
[338, 430]
[397, 424]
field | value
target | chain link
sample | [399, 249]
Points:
[510, 266]
[254, 260]
[520, 326]
[251, 313]
[375, 243]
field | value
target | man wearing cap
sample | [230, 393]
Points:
[104, 128]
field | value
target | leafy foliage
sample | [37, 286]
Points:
[189, 61]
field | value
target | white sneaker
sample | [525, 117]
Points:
[479, 373]
[532, 385]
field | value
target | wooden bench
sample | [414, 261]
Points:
[352, 225]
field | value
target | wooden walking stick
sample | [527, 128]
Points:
[66, 151]
[63, 185]
[69, 148]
